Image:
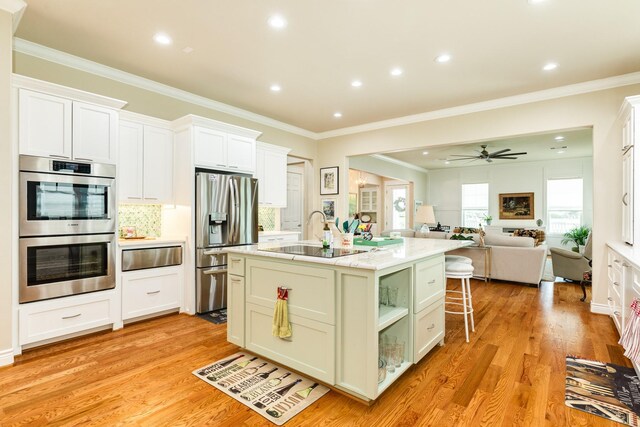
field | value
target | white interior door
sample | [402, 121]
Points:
[396, 207]
[291, 216]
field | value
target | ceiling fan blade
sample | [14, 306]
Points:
[505, 157]
[517, 154]
[499, 152]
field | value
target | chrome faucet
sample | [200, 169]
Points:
[324, 218]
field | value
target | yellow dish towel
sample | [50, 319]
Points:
[281, 327]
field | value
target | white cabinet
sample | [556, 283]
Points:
[150, 291]
[271, 172]
[145, 163]
[616, 275]
[627, 196]
[235, 310]
[46, 320]
[275, 236]
[630, 122]
[64, 123]
[369, 199]
[221, 150]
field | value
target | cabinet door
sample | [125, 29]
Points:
[365, 201]
[241, 153]
[374, 200]
[94, 133]
[235, 310]
[158, 164]
[150, 291]
[210, 148]
[130, 161]
[627, 196]
[277, 178]
[44, 125]
[261, 177]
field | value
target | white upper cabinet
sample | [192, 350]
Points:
[44, 125]
[217, 145]
[94, 133]
[271, 172]
[65, 123]
[210, 148]
[145, 165]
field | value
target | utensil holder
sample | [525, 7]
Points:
[347, 240]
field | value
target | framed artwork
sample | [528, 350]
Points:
[516, 206]
[418, 203]
[329, 209]
[353, 204]
[329, 181]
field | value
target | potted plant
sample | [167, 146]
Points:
[487, 218]
[577, 236]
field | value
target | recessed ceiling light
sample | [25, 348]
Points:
[446, 162]
[425, 153]
[561, 152]
[550, 66]
[356, 83]
[535, 1]
[445, 57]
[275, 88]
[337, 114]
[277, 21]
[396, 72]
[559, 138]
[162, 38]
[187, 49]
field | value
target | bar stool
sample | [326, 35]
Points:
[457, 258]
[464, 272]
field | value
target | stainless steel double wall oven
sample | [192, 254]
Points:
[67, 228]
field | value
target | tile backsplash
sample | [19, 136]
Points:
[267, 218]
[147, 219]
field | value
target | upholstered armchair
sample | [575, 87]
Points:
[571, 265]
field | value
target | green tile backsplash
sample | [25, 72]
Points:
[146, 218]
[267, 218]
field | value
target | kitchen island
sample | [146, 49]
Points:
[334, 308]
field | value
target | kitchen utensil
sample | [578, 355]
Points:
[345, 226]
[338, 223]
[354, 224]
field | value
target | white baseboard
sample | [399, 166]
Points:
[6, 357]
[600, 308]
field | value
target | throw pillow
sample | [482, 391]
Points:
[538, 235]
[465, 230]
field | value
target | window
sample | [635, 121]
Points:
[564, 205]
[397, 201]
[475, 204]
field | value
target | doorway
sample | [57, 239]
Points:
[292, 217]
[397, 212]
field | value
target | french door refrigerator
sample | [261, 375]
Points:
[226, 215]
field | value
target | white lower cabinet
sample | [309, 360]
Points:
[235, 310]
[150, 291]
[311, 348]
[280, 237]
[55, 318]
[428, 329]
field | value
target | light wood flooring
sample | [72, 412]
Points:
[511, 373]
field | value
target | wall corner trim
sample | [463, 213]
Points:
[6, 357]
[68, 60]
[600, 308]
[398, 162]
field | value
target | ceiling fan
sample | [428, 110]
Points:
[485, 155]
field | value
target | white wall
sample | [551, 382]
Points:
[522, 177]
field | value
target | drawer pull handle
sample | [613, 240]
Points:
[431, 327]
[609, 265]
[610, 299]
[616, 261]
[71, 317]
[624, 264]
[431, 282]
[153, 292]
[59, 156]
[616, 283]
[235, 260]
[617, 313]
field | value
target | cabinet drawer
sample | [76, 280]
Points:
[614, 264]
[311, 348]
[50, 319]
[311, 294]
[429, 282]
[428, 329]
[150, 291]
[615, 307]
[236, 265]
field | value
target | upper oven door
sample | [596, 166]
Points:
[52, 204]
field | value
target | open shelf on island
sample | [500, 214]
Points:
[389, 315]
[391, 377]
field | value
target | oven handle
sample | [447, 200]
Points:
[214, 271]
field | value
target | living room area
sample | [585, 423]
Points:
[527, 194]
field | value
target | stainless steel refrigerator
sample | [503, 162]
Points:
[226, 215]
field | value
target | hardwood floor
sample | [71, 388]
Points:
[511, 373]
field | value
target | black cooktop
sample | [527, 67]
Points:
[315, 251]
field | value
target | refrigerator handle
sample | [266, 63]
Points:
[232, 213]
[236, 209]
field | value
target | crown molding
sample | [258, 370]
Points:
[144, 119]
[193, 120]
[510, 101]
[30, 83]
[15, 8]
[398, 162]
[66, 59]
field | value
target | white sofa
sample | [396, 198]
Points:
[513, 258]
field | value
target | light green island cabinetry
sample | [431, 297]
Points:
[334, 309]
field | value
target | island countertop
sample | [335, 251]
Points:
[376, 258]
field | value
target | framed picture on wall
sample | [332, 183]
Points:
[516, 206]
[329, 209]
[329, 181]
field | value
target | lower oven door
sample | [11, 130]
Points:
[52, 267]
[211, 288]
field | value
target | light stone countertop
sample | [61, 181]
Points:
[150, 242]
[382, 257]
